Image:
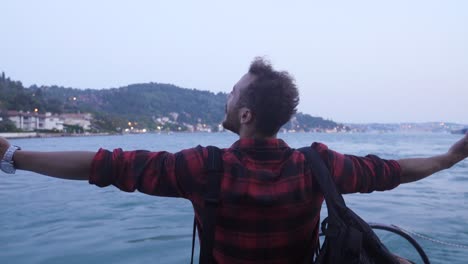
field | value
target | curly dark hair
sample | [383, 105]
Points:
[272, 97]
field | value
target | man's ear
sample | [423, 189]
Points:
[245, 115]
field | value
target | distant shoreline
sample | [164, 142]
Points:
[20, 135]
[26, 135]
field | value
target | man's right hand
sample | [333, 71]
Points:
[72, 165]
[4, 145]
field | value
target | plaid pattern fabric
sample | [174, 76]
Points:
[270, 202]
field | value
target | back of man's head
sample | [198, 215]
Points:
[272, 97]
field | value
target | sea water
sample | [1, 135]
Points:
[49, 220]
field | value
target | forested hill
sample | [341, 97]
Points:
[152, 106]
[142, 104]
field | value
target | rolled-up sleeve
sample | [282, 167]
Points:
[154, 173]
[360, 174]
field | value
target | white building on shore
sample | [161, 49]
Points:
[28, 121]
[82, 120]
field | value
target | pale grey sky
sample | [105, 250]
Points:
[354, 61]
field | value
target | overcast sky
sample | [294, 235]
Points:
[354, 61]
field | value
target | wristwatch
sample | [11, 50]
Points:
[7, 165]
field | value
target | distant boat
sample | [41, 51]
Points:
[460, 131]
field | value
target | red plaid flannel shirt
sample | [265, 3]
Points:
[270, 202]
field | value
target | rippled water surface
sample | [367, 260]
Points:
[47, 220]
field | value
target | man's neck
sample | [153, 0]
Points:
[256, 136]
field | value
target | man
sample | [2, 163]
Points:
[270, 202]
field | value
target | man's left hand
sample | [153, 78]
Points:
[459, 150]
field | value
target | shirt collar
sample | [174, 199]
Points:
[252, 143]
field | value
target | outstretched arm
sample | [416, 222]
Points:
[415, 169]
[72, 165]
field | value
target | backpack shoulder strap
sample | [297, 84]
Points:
[214, 167]
[322, 175]
[332, 225]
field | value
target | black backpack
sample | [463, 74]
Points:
[348, 238]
